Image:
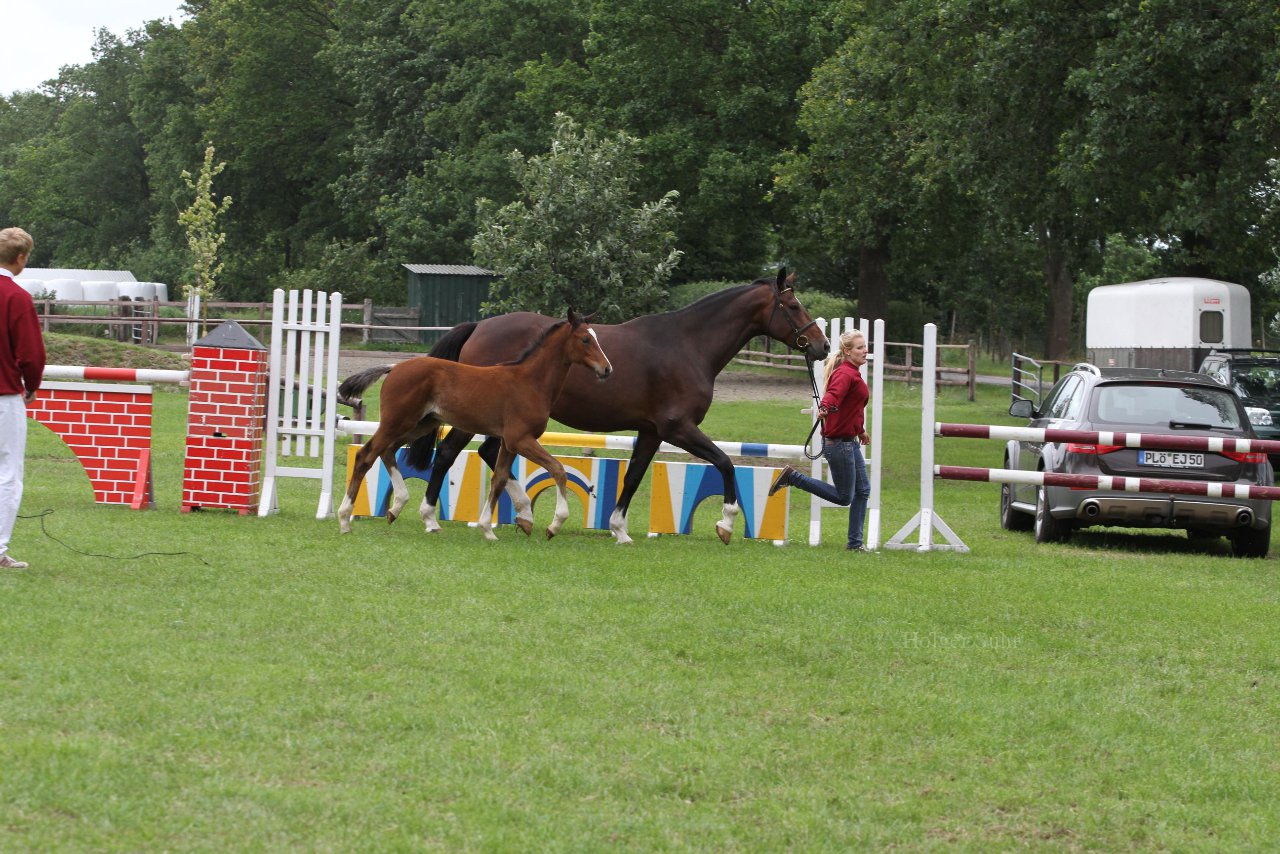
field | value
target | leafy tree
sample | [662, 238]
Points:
[438, 107]
[78, 179]
[282, 116]
[708, 88]
[1180, 127]
[576, 238]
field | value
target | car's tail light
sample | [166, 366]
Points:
[1085, 448]
[1245, 456]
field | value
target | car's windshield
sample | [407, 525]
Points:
[1256, 380]
[1160, 405]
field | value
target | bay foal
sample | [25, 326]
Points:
[510, 401]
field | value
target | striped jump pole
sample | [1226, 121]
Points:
[131, 375]
[1212, 444]
[1108, 484]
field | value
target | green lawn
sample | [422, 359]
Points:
[210, 682]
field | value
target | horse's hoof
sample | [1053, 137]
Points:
[625, 541]
[391, 517]
[723, 534]
[550, 533]
[525, 525]
[491, 536]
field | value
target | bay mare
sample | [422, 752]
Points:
[661, 388]
[508, 402]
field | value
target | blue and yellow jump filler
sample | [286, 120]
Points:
[676, 491]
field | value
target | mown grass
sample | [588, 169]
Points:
[265, 684]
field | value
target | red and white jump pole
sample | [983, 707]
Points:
[1107, 483]
[1212, 444]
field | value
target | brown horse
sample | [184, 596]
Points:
[509, 401]
[663, 386]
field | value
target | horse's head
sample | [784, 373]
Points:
[584, 346]
[791, 324]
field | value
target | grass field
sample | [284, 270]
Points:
[209, 682]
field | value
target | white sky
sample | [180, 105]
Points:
[41, 36]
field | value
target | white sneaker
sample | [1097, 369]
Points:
[7, 562]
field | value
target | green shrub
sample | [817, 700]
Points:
[826, 305]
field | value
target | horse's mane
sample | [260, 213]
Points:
[536, 343]
[726, 295]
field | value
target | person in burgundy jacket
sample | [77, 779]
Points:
[843, 412]
[21, 369]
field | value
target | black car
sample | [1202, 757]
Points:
[1254, 375]
[1138, 400]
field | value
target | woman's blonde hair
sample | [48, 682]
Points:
[840, 354]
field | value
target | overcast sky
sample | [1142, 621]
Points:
[41, 36]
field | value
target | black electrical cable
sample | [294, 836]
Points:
[41, 516]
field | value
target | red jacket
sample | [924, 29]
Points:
[846, 395]
[21, 344]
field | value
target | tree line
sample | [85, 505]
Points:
[977, 163]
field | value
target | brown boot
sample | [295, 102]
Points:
[786, 478]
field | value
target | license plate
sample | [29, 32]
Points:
[1171, 459]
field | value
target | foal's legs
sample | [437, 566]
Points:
[529, 448]
[369, 451]
[501, 474]
[447, 452]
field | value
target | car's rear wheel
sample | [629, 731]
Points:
[1251, 542]
[1010, 519]
[1047, 528]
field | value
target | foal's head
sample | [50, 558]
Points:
[584, 346]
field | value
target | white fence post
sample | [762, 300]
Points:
[304, 353]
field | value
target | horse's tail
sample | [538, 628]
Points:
[353, 386]
[450, 344]
[421, 450]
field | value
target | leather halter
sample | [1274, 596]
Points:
[799, 341]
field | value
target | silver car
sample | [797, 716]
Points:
[1138, 400]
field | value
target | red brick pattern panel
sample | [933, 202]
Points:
[226, 419]
[108, 427]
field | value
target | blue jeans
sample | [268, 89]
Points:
[849, 486]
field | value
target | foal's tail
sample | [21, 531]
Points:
[450, 344]
[353, 386]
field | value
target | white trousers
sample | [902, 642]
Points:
[13, 449]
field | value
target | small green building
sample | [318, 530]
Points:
[447, 294]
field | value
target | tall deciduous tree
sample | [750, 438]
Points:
[200, 222]
[709, 89]
[577, 238]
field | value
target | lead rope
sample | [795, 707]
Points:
[817, 422]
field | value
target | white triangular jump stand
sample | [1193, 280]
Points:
[927, 521]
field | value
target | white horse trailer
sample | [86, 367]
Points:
[1165, 323]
